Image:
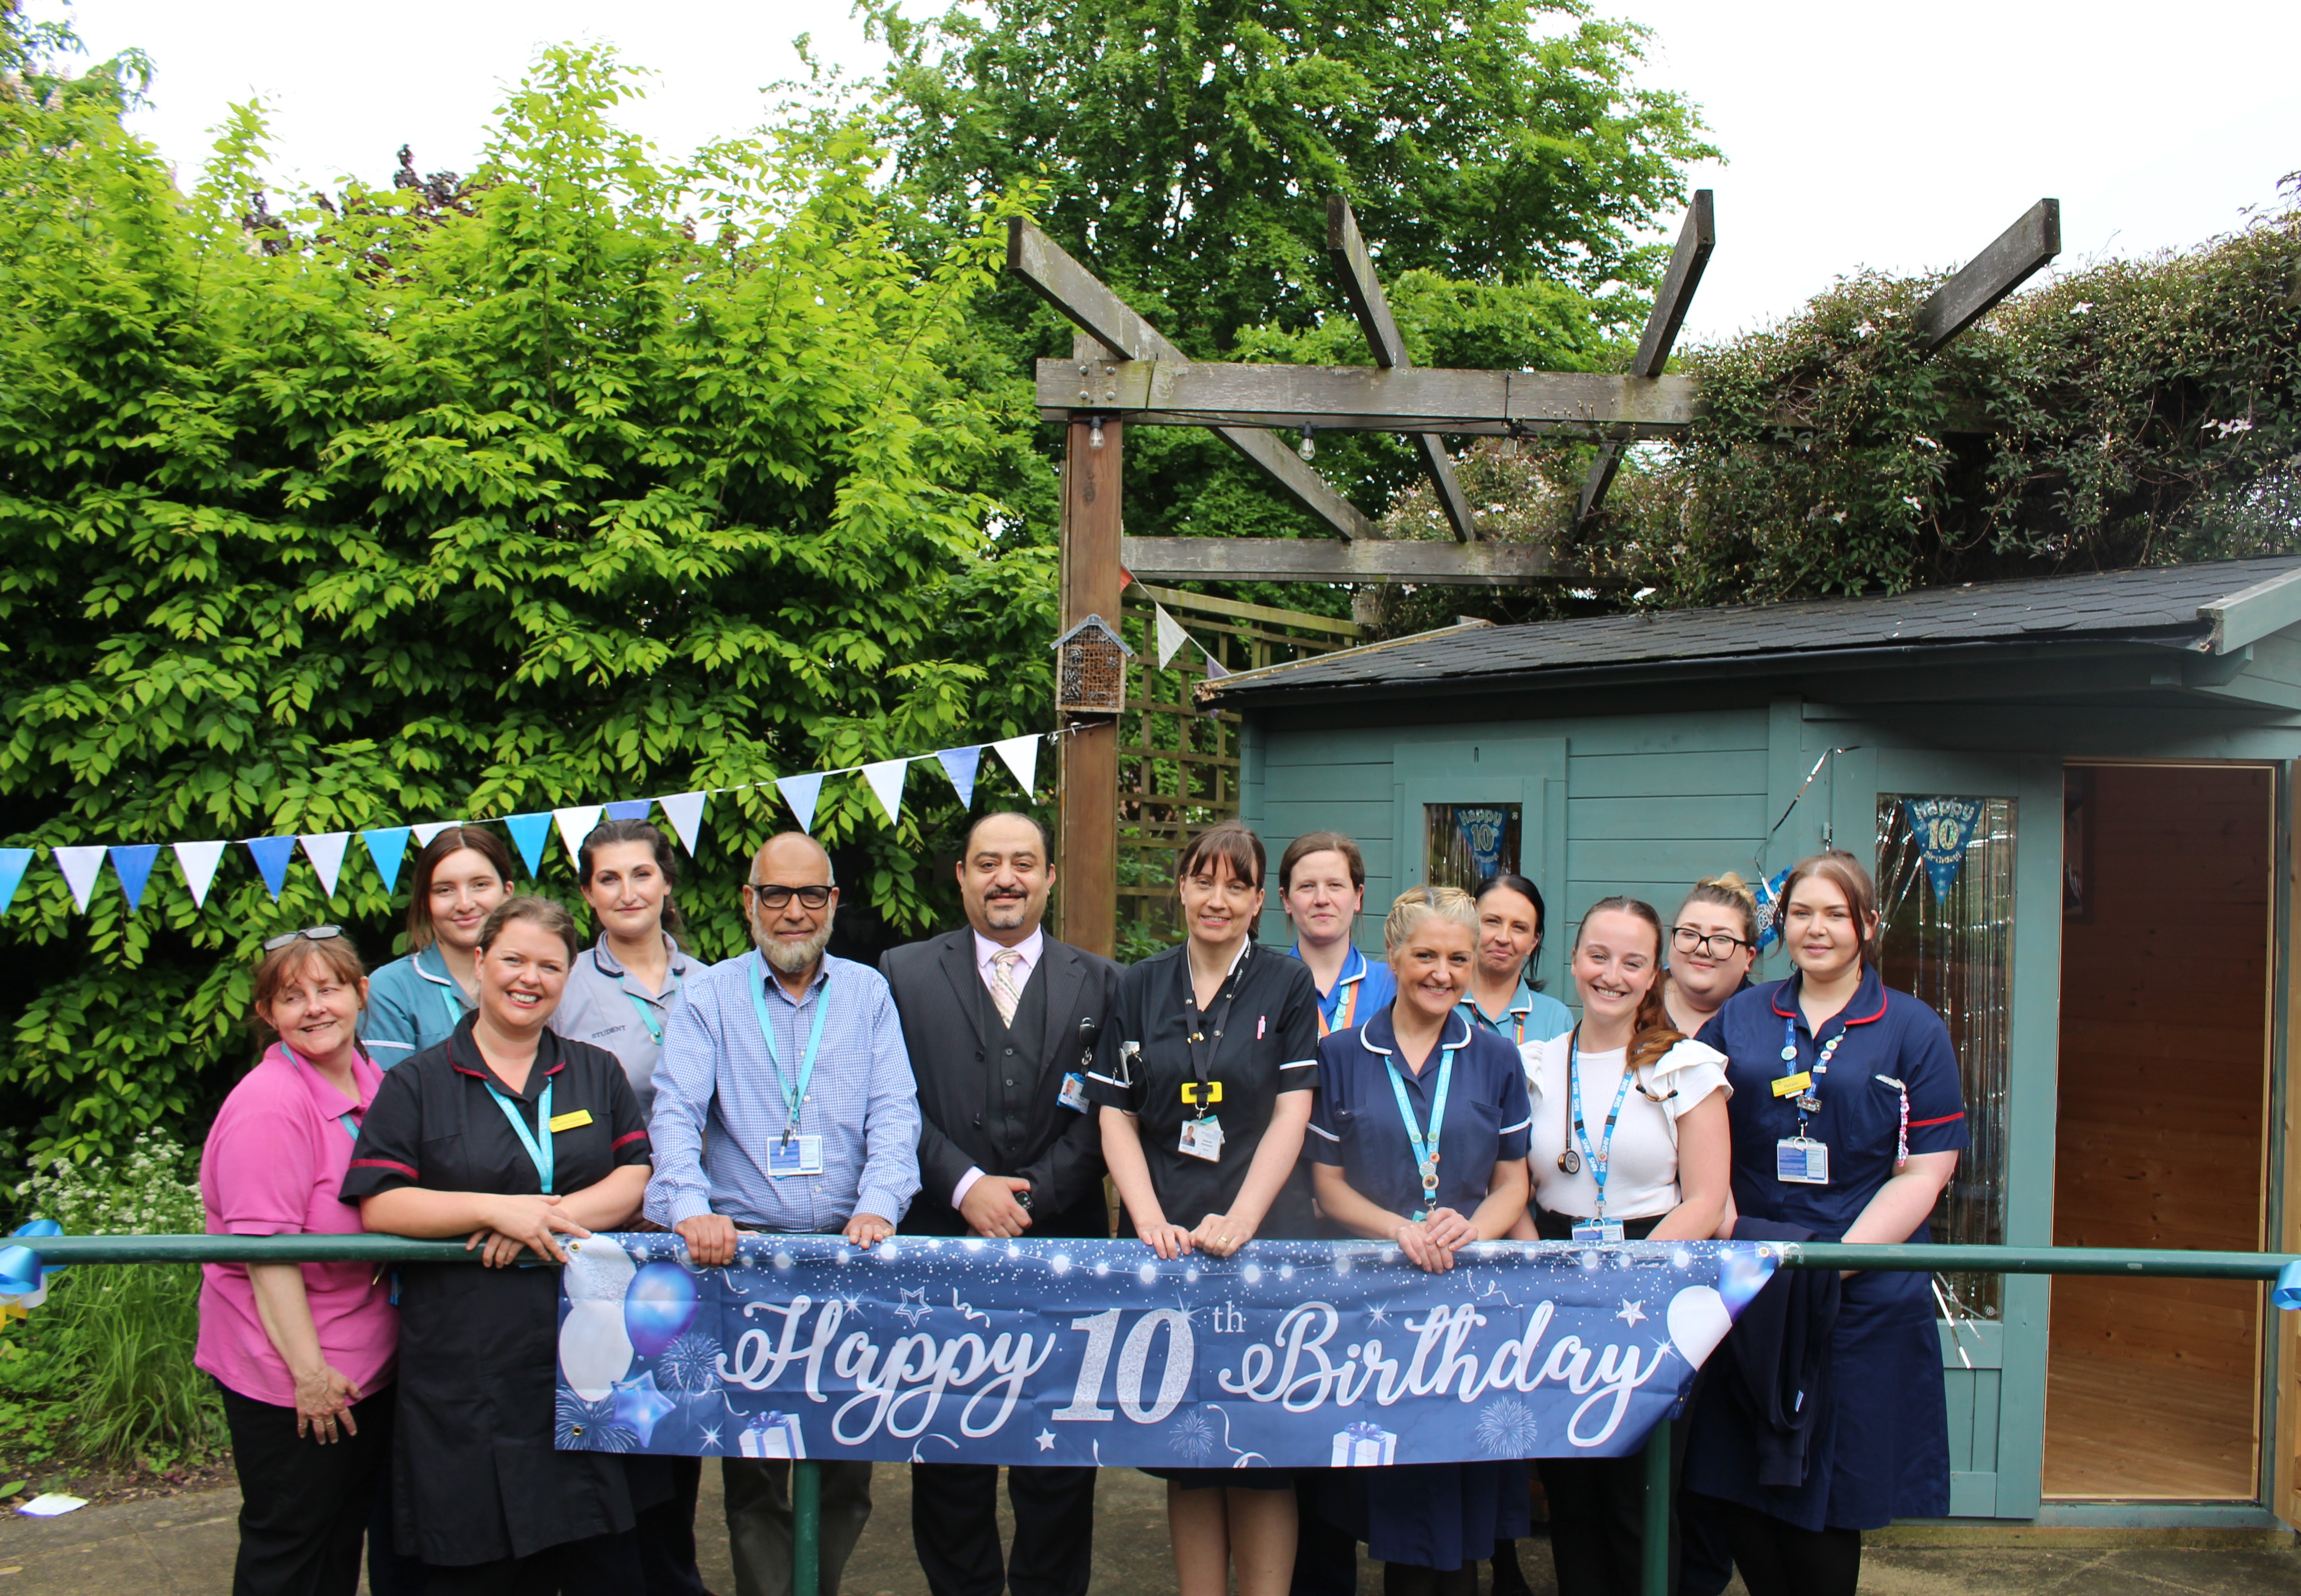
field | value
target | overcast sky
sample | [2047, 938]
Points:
[1897, 137]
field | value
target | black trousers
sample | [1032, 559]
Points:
[666, 1534]
[1781, 1560]
[955, 1528]
[600, 1565]
[303, 1507]
[1597, 1519]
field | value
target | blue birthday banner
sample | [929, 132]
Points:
[1291, 1354]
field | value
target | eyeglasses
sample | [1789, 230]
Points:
[772, 896]
[1686, 939]
[310, 933]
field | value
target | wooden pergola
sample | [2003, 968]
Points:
[1122, 369]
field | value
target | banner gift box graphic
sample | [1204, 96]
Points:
[1291, 1354]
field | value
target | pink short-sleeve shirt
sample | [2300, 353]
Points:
[272, 1166]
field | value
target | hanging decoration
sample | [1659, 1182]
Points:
[79, 865]
[386, 847]
[325, 850]
[1942, 828]
[1483, 827]
[960, 765]
[198, 862]
[1769, 894]
[885, 780]
[684, 810]
[531, 832]
[133, 862]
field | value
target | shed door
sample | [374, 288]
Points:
[1968, 857]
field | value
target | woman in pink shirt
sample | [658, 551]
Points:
[303, 1352]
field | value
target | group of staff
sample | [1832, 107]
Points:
[506, 1084]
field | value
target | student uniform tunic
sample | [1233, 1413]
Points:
[1428, 1515]
[1882, 1451]
[474, 1478]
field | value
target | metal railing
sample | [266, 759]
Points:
[806, 1485]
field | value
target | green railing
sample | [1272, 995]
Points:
[805, 1487]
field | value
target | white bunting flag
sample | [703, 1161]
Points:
[575, 824]
[79, 865]
[684, 810]
[325, 850]
[198, 862]
[800, 793]
[1022, 756]
[1171, 635]
[426, 830]
[886, 780]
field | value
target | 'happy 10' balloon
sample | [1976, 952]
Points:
[659, 1307]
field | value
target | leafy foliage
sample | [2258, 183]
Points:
[607, 478]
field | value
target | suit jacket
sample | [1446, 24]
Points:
[988, 1094]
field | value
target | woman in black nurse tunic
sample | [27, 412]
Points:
[509, 1135]
[1419, 1137]
[1848, 1119]
[1202, 1083]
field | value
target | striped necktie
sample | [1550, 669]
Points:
[1004, 994]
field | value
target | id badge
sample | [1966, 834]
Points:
[1802, 1161]
[1202, 1138]
[801, 1155]
[1074, 1093]
[1598, 1230]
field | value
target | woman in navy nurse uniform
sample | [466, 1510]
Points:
[1419, 1137]
[1847, 1121]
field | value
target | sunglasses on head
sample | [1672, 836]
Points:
[310, 933]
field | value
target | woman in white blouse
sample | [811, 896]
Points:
[1629, 1142]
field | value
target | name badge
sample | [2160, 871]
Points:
[1202, 1138]
[1787, 1085]
[571, 1121]
[1802, 1161]
[1073, 1096]
[1598, 1230]
[801, 1155]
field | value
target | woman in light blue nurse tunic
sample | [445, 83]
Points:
[1502, 998]
[416, 1002]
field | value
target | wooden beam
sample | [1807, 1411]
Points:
[1347, 249]
[1086, 839]
[1233, 609]
[1170, 392]
[1075, 292]
[2012, 257]
[1483, 564]
[1695, 240]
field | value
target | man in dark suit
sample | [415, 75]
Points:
[1000, 1020]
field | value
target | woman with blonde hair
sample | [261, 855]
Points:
[1712, 944]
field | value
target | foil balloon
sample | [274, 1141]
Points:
[658, 1307]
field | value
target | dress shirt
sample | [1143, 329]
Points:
[1026, 959]
[719, 1102]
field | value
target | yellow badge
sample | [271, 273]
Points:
[571, 1121]
[1782, 1088]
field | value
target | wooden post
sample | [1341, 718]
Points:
[1086, 850]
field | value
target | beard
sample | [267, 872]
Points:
[791, 957]
[1005, 913]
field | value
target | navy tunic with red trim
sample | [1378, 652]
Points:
[1882, 1451]
[474, 1475]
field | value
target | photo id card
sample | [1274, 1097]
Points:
[1202, 1138]
[1802, 1161]
[801, 1155]
[1073, 1096]
[1598, 1230]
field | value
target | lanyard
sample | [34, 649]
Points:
[349, 1117]
[1425, 1146]
[539, 1153]
[1201, 1044]
[453, 996]
[793, 1094]
[1604, 1152]
[1809, 1101]
[1338, 1010]
[1479, 1014]
[646, 1016]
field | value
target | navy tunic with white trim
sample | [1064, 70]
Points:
[1882, 1451]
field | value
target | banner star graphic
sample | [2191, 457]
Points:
[1046, 1440]
[1632, 1313]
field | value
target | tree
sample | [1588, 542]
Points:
[604, 478]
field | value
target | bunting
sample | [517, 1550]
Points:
[800, 793]
[1021, 754]
[574, 825]
[386, 847]
[198, 862]
[79, 865]
[684, 810]
[960, 765]
[325, 850]
[529, 832]
[272, 855]
[133, 862]
[885, 780]
[14, 863]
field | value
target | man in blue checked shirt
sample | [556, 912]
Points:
[785, 1101]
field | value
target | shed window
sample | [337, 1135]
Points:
[1468, 842]
[1945, 887]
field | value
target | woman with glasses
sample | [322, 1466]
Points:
[1712, 947]
[416, 1002]
[511, 1138]
[1630, 1141]
[304, 1353]
[1321, 887]
[1502, 998]
[1202, 1083]
[1848, 1119]
[1420, 1139]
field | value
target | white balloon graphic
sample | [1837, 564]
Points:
[595, 1352]
[597, 1272]
[1698, 1321]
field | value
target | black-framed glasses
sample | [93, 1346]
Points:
[310, 933]
[1715, 944]
[772, 897]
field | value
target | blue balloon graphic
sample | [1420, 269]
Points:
[658, 1306]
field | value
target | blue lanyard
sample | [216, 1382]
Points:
[1425, 1146]
[1604, 1151]
[793, 1094]
[539, 1153]
[1808, 1102]
[453, 996]
[349, 1117]
[646, 1016]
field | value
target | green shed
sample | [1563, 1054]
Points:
[2113, 950]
